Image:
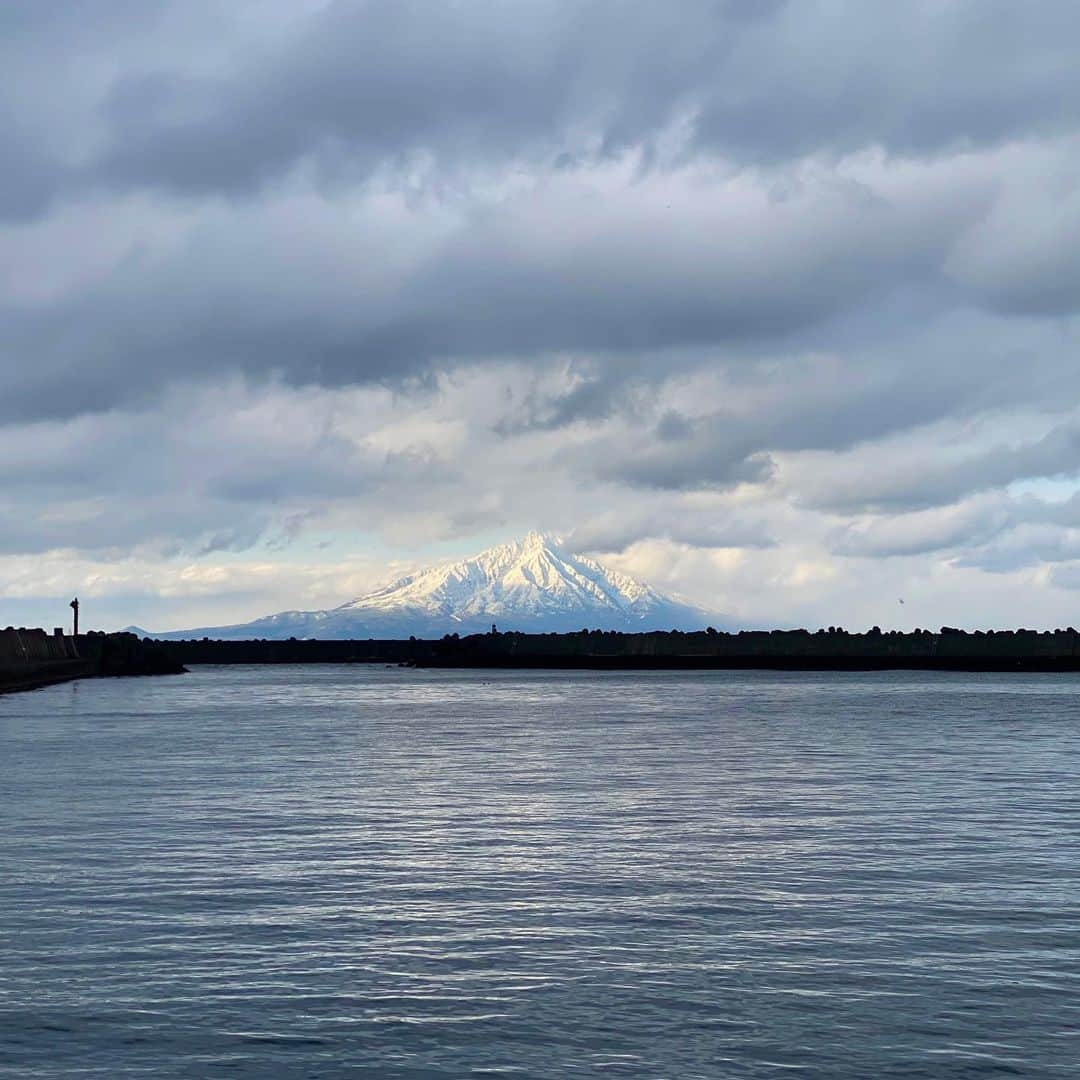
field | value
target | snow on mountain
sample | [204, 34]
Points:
[535, 585]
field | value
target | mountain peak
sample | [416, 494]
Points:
[531, 543]
[533, 584]
[535, 539]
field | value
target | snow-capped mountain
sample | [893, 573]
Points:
[535, 585]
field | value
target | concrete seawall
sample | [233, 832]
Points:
[33, 658]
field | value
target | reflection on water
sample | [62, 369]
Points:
[322, 872]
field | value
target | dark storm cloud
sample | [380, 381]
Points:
[30, 175]
[361, 83]
[181, 100]
[60, 61]
[328, 301]
[358, 85]
[692, 468]
[599, 392]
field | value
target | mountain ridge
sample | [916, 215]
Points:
[534, 584]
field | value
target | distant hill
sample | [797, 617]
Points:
[534, 585]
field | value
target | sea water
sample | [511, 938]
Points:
[369, 872]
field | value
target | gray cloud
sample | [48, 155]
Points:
[821, 404]
[375, 225]
[357, 84]
[700, 529]
[289, 288]
[1066, 576]
[917, 483]
[222, 469]
[796, 279]
[922, 532]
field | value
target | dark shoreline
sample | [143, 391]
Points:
[789, 650]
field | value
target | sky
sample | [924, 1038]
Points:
[771, 304]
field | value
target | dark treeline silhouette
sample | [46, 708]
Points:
[827, 649]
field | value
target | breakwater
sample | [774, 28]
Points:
[795, 650]
[30, 658]
[297, 651]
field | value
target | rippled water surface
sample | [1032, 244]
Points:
[346, 871]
